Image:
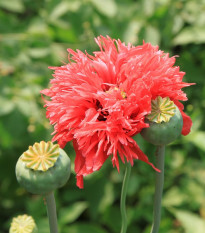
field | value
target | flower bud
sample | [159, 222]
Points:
[43, 168]
[165, 122]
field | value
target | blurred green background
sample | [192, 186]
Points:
[35, 35]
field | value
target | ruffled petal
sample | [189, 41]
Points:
[100, 101]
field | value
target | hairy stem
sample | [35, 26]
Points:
[123, 198]
[158, 188]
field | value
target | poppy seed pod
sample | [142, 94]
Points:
[165, 122]
[23, 224]
[43, 168]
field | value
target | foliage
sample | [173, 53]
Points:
[35, 35]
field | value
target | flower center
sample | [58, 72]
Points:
[123, 94]
[162, 110]
[41, 156]
[114, 95]
[103, 113]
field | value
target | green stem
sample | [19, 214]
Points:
[51, 211]
[158, 188]
[123, 198]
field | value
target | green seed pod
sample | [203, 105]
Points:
[165, 122]
[43, 168]
[23, 224]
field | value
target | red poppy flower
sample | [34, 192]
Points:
[100, 101]
[157, 70]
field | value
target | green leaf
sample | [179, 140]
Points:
[101, 194]
[6, 106]
[34, 207]
[5, 136]
[195, 191]
[112, 218]
[108, 197]
[197, 138]
[173, 197]
[199, 174]
[12, 5]
[148, 6]
[189, 35]
[39, 52]
[152, 35]
[58, 49]
[191, 222]
[63, 7]
[28, 108]
[71, 213]
[38, 26]
[43, 225]
[131, 32]
[105, 7]
[178, 24]
[84, 228]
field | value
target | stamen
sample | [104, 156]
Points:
[123, 94]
